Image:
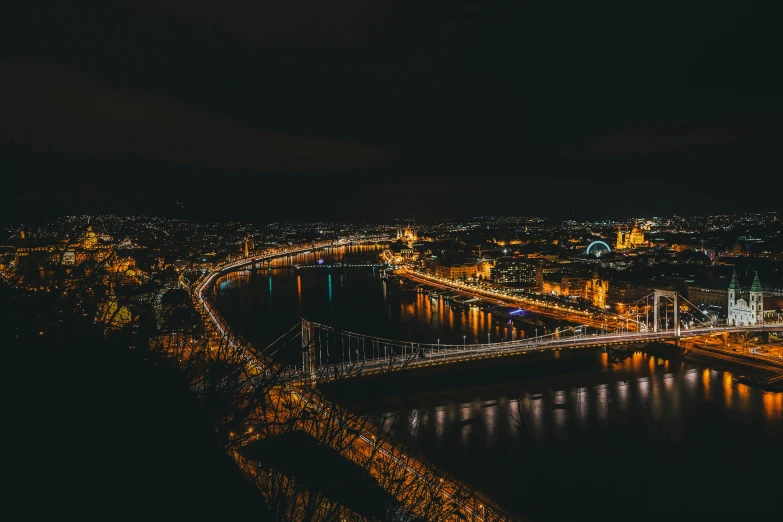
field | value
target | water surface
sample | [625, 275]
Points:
[605, 436]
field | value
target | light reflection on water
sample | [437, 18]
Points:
[728, 389]
[355, 299]
[490, 413]
[696, 407]
[622, 395]
[773, 406]
[549, 411]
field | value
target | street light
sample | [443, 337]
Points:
[463, 341]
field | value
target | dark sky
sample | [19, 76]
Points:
[377, 109]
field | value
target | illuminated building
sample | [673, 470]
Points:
[26, 251]
[69, 257]
[90, 239]
[485, 269]
[554, 286]
[745, 312]
[632, 239]
[773, 307]
[505, 242]
[713, 300]
[457, 271]
[596, 291]
[398, 254]
[592, 289]
[121, 265]
[518, 271]
[407, 236]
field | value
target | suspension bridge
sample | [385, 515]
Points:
[330, 354]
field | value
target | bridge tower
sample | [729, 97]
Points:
[308, 349]
[667, 293]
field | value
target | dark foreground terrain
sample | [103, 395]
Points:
[99, 432]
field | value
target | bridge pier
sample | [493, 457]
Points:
[736, 337]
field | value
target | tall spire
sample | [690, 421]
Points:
[733, 280]
[756, 287]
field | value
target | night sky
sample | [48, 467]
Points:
[380, 109]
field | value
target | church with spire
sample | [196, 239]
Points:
[743, 312]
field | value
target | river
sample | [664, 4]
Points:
[591, 434]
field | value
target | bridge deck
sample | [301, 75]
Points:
[421, 355]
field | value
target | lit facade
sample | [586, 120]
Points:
[592, 289]
[485, 269]
[596, 291]
[632, 239]
[745, 312]
[518, 271]
[710, 299]
[407, 236]
[461, 271]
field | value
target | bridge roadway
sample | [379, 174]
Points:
[362, 441]
[415, 355]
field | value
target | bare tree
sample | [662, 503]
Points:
[249, 395]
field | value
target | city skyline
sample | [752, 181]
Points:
[651, 336]
[392, 260]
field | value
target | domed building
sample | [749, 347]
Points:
[408, 235]
[632, 239]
